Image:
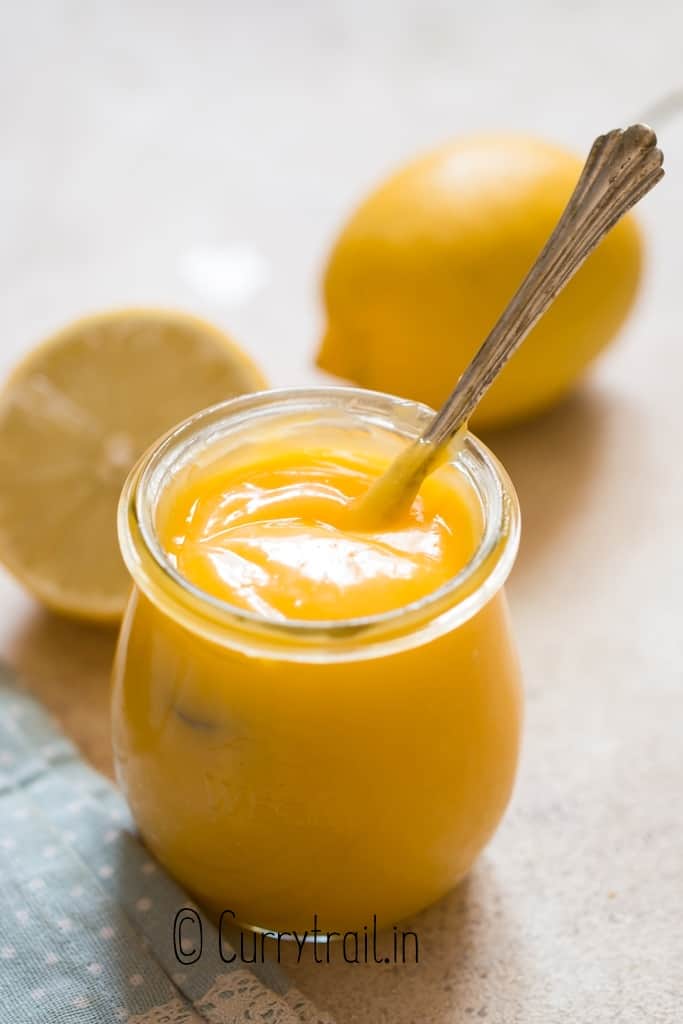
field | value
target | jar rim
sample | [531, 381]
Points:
[455, 601]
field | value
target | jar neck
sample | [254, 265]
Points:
[233, 423]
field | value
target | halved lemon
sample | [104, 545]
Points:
[75, 415]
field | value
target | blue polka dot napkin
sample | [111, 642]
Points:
[86, 916]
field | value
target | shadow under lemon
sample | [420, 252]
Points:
[66, 665]
[555, 461]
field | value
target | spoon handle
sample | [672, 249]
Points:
[621, 168]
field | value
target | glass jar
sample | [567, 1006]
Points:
[344, 769]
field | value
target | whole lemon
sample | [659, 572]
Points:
[426, 265]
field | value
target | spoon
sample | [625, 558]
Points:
[621, 168]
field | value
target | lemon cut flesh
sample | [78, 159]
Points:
[75, 415]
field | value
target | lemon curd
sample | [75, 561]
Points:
[277, 538]
[312, 718]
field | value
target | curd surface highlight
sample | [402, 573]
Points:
[276, 537]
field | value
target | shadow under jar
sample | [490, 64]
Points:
[345, 768]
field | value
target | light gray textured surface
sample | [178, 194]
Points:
[203, 155]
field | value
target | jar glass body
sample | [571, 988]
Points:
[335, 771]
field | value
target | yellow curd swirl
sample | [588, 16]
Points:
[275, 536]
